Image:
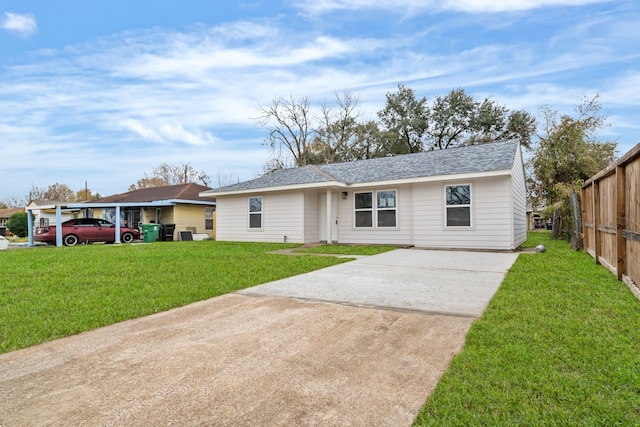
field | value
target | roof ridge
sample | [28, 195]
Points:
[323, 173]
[183, 189]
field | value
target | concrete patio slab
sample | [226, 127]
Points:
[457, 283]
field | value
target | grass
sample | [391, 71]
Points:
[48, 293]
[559, 344]
[348, 249]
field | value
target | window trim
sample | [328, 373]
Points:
[471, 205]
[209, 211]
[356, 210]
[375, 209]
[261, 213]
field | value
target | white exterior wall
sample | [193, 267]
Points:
[311, 218]
[282, 215]
[519, 192]
[491, 215]
[400, 235]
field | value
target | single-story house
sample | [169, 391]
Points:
[5, 214]
[180, 206]
[471, 197]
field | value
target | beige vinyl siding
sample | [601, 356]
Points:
[187, 217]
[282, 215]
[519, 194]
[311, 218]
[491, 216]
[399, 235]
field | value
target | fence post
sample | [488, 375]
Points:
[621, 254]
[596, 220]
[576, 239]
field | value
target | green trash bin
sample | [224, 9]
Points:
[150, 232]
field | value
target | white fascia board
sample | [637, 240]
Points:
[104, 205]
[191, 202]
[329, 184]
[456, 177]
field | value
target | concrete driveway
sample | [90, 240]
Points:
[358, 344]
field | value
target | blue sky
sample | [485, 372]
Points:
[104, 91]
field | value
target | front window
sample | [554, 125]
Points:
[208, 218]
[382, 213]
[255, 212]
[364, 209]
[458, 205]
[386, 208]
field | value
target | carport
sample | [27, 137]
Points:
[59, 208]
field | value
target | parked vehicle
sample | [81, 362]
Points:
[86, 230]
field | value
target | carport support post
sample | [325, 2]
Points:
[329, 218]
[30, 226]
[58, 226]
[117, 224]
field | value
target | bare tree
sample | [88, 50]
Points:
[289, 124]
[336, 129]
[224, 179]
[171, 174]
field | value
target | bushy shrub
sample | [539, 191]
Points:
[18, 224]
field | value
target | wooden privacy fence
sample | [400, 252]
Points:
[611, 217]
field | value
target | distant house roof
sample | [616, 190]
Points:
[483, 158]
[6, 213]
[182, 192]
[44, 202]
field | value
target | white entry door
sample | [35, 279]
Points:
[323, 217]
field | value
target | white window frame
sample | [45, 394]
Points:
[208, 216]
[261, 213]
[356, 210]
[469, 205]
[374, 209]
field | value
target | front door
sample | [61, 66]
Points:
[322, 215]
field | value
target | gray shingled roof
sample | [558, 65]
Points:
[489, 157]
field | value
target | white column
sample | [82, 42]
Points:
[30, 226]
[329, 218]
[58, 226]
[117, 224]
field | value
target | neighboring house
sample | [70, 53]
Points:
[180, 206]
[534, 218]
[44, 212]
[5, 214]
[469, 197]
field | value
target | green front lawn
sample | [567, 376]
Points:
[47, 292]
[558, 345]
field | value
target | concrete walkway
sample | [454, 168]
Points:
[282, 353]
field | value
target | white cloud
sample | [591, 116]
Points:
[167, 133]
[411, 7]
[23, 25]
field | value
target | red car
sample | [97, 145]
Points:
[86, 230]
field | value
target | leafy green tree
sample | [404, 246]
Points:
[567, 154]
[406, 119]
[18, 224]
[452, 117]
